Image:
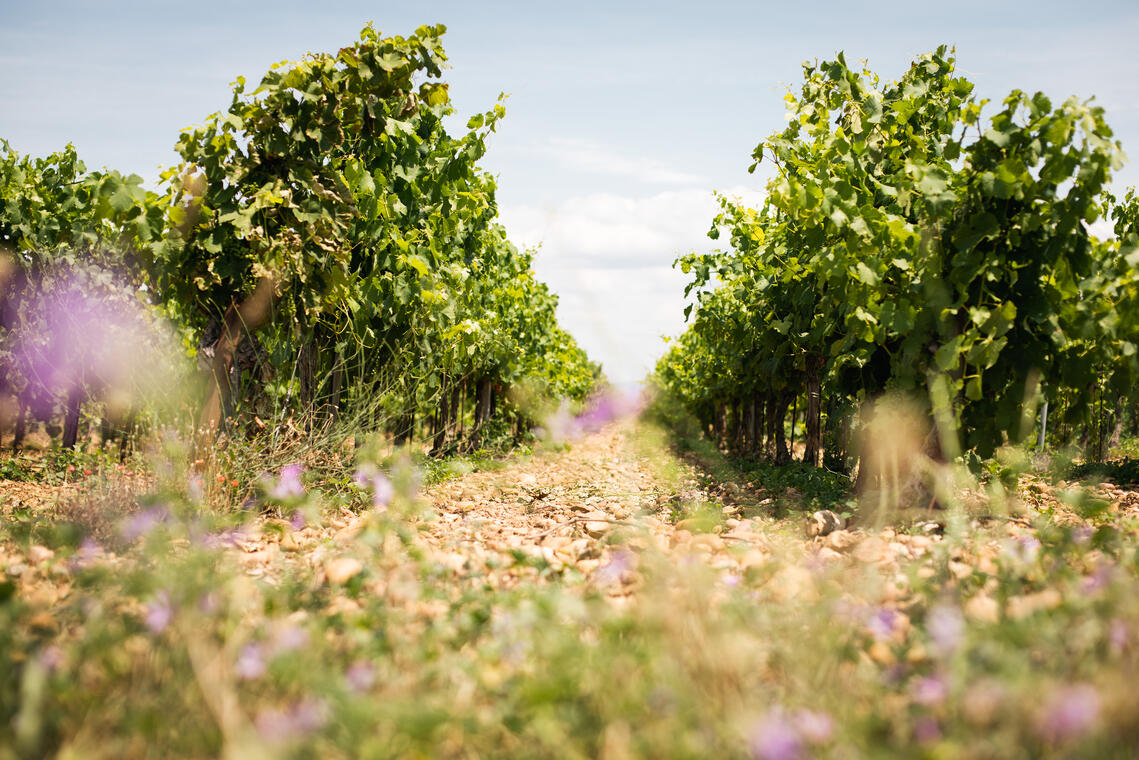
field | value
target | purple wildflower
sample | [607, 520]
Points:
[302, 718]
[310, 715]
[382, 491]
[814, 726]
[946, 628]
[775, 738]
[1024, 548]
[620, 563]
[250, 663]
[159, 613]
[930, 691]
[369, 478]
[1118, 635]
[881, 624]
[288, 485]
[87, 555]
[361, 676]
[288, 638]
[298, 521]
[1099, 579]
[926, 729]
[141, 523]
[1069, 713]
[52, 658]
[606, 407]
[273, 724]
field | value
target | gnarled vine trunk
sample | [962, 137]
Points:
[814, 411]
[240, 320]
[71, 416]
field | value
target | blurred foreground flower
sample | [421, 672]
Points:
[159, 613]
[1069, 713]
[786, 736]
[882, 623]
[946, 628]
[621, 562]
[814, 726]
[930, 691]
[926, 729]
[360, 676]
[287, 637]
[88, 553]
[370, 478]
[288, 485]
[141, 523]
[601, 409]
[775, 738]
[250, 663]
[301, 719]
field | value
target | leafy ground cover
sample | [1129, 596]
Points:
[601, 598]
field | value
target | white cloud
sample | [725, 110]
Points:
[608, 230]
[609, 258]
[589, 157]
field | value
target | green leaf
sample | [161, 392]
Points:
[866, 274]
[973, 388]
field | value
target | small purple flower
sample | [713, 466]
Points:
[1118, 635]
[52, 658]
[298, 521]
[288, 638]
[775, 738]
[926, 729]
[361, 676]
[159, 613]
[274, 725]
[1082, 534]
[369, 478]
[1098, 580]
[814, 726]
[310, 715]
[731, 580]
[1025, 548]
[946, 628]
[87, 555]
[302, 718]
[288, 485]
[931, 691]
[620, 563]
[141, 523]
[382, 491]
[250, 663]
[881, 624]
[606, 407]
[1069, 713]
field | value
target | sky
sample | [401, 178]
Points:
[623, 119]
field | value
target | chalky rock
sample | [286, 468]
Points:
[824, 522]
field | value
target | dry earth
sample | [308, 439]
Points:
[591, 512]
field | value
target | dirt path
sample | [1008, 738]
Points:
[590, 509]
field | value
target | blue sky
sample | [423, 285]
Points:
[622, 118]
